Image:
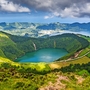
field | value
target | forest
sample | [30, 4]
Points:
[13, 47]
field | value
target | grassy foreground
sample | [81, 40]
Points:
[42, 76]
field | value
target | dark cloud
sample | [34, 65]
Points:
[84, 15]
[61, 8]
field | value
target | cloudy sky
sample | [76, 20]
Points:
[45, 11]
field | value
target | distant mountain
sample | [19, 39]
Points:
[16, 25]
[65, 26]
[40, 29]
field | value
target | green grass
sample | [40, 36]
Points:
[5, 40]
[88, 55]
[15, 80]
[58, 65]
[89, 46]
[85, 37]
[2, 60]
[84, 51]
[5, 60]
[38, 67]
[82, 72]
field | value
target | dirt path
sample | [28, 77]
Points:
[79, 79]
[74, 58]
[58, 85]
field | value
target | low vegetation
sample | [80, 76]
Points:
[66, 75]
[15, 76]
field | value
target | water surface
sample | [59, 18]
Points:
[43, 55]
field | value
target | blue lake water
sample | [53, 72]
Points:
[43, 55]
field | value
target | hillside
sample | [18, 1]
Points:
[41, 77]
[13, 47]
[70, 75]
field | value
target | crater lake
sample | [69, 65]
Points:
[43, 55]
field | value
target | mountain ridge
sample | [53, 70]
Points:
[39, 29]
[82, 25]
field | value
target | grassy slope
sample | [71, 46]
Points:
[82, 60]
[37, 66]
[58, 80]
[54, 65]
[23, 81]
[5, 60]
[11, 79]
[86, 37]
[8, 48]
[86, 49]
[5, 40]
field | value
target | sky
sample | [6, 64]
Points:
[45, 11]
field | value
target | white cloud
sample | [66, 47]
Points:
[11, 7]
[56, 13]
[46, 17]
[69, 12]
[49, 16]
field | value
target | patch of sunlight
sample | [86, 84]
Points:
[5, 60]
[54, 65]
[37, 66]
[41, 66]
[3, 35]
